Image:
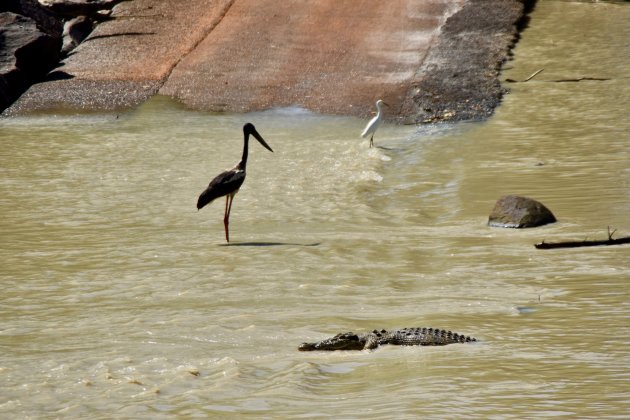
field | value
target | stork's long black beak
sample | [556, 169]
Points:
[261, 140]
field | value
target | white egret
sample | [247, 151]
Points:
[371, 127]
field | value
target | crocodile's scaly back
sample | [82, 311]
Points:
[400, 337]
[425, 337]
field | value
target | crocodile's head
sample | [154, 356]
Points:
[344, 341]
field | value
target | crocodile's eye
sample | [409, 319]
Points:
[348, 336]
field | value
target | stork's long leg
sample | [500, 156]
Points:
[226, 218]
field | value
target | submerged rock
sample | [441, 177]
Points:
[513, 211]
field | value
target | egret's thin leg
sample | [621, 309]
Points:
[372, 140]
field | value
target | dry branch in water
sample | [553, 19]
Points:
[526, 80]
[576, 244]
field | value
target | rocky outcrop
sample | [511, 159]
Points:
[513, 211]
[75, 31]
[68, 9]
[27, 55]
[36, 34]
[79, 18]
[47, 21]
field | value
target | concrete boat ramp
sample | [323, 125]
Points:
[429, 59]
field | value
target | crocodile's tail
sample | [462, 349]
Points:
[448, 337]
[460, 338]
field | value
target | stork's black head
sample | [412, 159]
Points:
[250, 129]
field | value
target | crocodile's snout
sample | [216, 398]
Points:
[306, 347]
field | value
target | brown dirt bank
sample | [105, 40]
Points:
[429, 59]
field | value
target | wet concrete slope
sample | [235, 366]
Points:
[327, 56]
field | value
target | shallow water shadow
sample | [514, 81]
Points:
[396, 149]
[268, 244]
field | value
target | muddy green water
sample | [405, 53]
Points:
[120, 300]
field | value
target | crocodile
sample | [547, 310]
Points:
[400, 337]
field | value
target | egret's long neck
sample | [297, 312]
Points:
[378, 109]
[243, 162]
